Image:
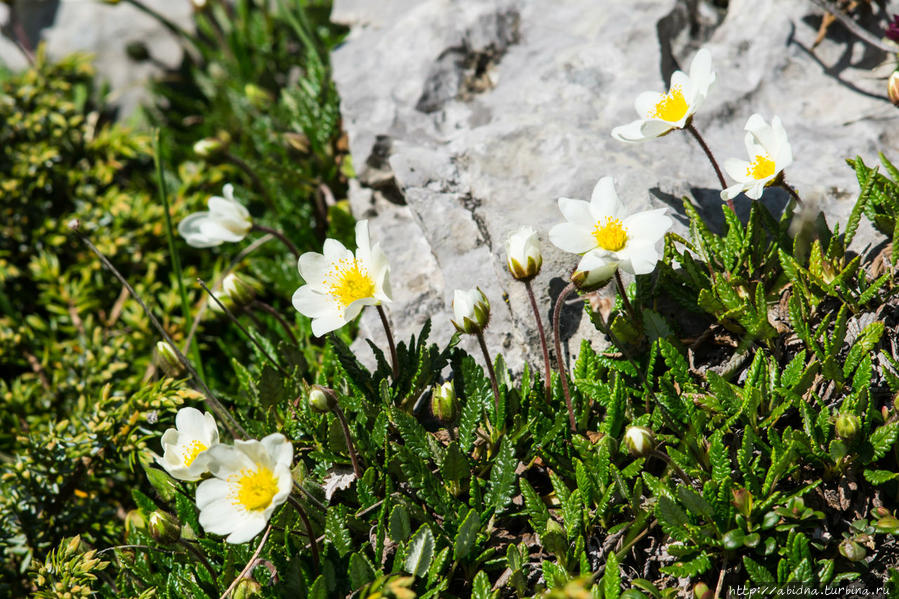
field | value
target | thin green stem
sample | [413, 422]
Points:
[236, 430]
[490, 371]
[393, 358]
[622, 291]
[173, 253]
[563, 375]
[546, 363]
[357, 470]
[711, 157]
[305, 518]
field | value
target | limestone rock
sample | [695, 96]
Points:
[468, 118]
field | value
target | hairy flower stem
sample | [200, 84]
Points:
[243, 329]
[268, 309]
[795, 196]
[490, 371]
[263, 229]
[622, 291]
[711, 157]
[393, 359]
[546, 362]
[357, 470]
[563, 376]
[199, 556]
[305, 518]
[666, 459]
[236, 430]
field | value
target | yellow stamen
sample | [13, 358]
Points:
[349, 281]
[610, 234]
[191, 451]
[760, 167]
[256, 488]
[672, 107]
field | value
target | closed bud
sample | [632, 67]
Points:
[847, 426]
[523, 255]
[241, 289]
[443, 401]
[639, 440]
[322, 399]
[247, 588]
[297, 141]
[167, 360]
[471, 310]
[223, 298]
[164, 527]
[209, 147]
[893, 88]
[199, 4]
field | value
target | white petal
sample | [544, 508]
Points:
[279, 449]
[755, 191]
[737, 169]
[191, 230]
[655, 128]
[463, 304]
[254, 451]
[215, 228]
[220, 517]
[225, 460]
[648, 226]
[327, 323]
[334, 251]
[313, 304]
[363, 242]
[210, 430]
[701, 75]
[600, 266]
[762, 132]
[572, 238]
[632, 132]
[646, 102]
[604, 201]
[212, 490]
[190, 421]
[732, 191]
[230, 209]
[576, 211]
[247, 528]
[638, 259]
[353, 310]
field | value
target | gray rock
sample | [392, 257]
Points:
[104, 30]
[468, 118]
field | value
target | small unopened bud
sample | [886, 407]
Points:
[639, 441]
[443, 401]
[523, 255]
[247, 588]
[322, 399]
[135, 520]
[742, 501]
[297, 141]
[164, 527]
[847, 426]
[199, 4]
[893, 88]
[167, 359]
[209, 147]
[241, 289]
[222, 298]
[471, 310]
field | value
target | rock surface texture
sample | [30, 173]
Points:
[469, 118]
[104, 30]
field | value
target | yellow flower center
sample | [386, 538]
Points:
[672, 107]
[610, 234]
[349, 281]
[191, 451]
[760, 167]
[256, 488]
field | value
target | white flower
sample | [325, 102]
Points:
[226, 220]
[606, 236]
[770, 153]
[339, 283]
[523, 254]
[252, 478]
[639, 440]
[660, 113]
[185, 455]
[471, 310]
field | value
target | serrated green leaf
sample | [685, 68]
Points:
[467, 535]
[399, 527]
[420, 552]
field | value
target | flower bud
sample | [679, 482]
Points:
[471, 310]
[443, 401]
[258, 97]
[164, 527]
[135, 520]
[297, 141]
[322, 399]
[241, 289]
[199, 4]
[222, 298]
[742, 501]
[639, 441]
[523, 254]
[893, 88]
[166, 359]
[847, 426]
[591, 280]
[209, 147]
[247, 588]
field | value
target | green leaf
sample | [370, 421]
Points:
[883, 438]
[361, 571]
[672, 518]
[437, 566]
[502, 477]
[757, 573]
[335, 530]
[399, 527]
[694, 502]
[693, 567]
[480, 588]
[534, 506]
[420, 552]
[878, 477]
[467, 535]
[611, 578]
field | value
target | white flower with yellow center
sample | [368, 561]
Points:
[660, 113]
[185, 446]
[769, 152]
[251, 479]
[606, 236]
[226, 220]
[340, 283]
